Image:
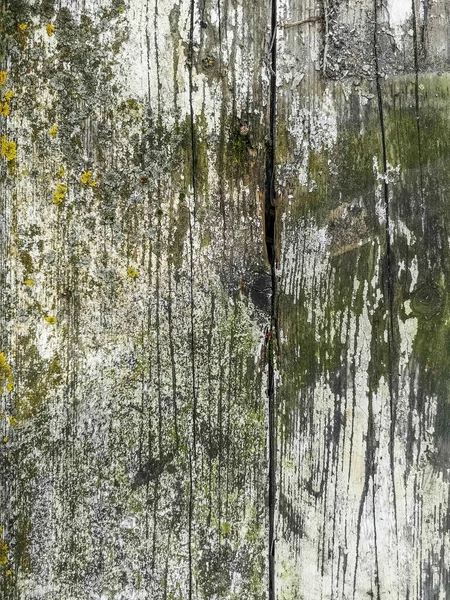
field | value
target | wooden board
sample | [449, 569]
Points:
[224, 348]
[134, 301]
[362, 390]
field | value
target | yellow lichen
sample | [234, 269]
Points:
[5, 374]
[22, 26]
[2, 77]
[13, 421]
[5, 439]
[132, 272]
[53, 131]
[29, 282]
[86, 178]
[8, 96]
[3, 545]
[5, 109]
[9, 149]
[59, 194]
[8, 572]
[51, 320]
[50, 29]
[61, 171]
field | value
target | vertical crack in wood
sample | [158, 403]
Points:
[172, 356]
[192, 217]
[369, 475]
[147, 39]
[269, 216]
[325, 36]
[417, 111]
[421, 181]
[388, 275]
[424, 26]
[157, 316]
[222, 136]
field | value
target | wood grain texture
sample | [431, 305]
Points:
[134, 299]
[224, 265]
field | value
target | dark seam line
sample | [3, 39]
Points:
[424, 27]
[419, 145]
[377, 566]
[388, 257]
[369, 475]
[269, 210]
[192, 217]
[147, 39]
[417, 111]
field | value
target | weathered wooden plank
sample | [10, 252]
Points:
[134, 297]
[139, 141]
[362, 388]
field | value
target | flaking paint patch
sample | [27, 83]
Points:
[312, 130]
[314, 240]
[400, 16]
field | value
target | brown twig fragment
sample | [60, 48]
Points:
[302, 22]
